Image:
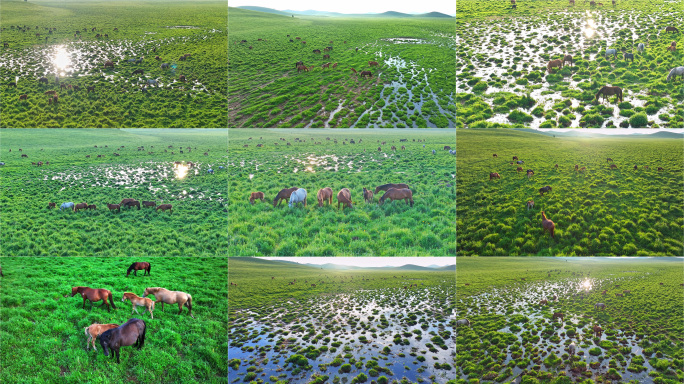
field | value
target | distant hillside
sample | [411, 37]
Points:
[433, 14]
[447, 268]
[311, 12]
[667, 135]
[264, 9]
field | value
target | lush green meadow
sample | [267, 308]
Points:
[512, 337]
[502, 57]
[42, 327]
[352, 324]
[197, 225]
[145, 29]
[596, 212]
[414, 85]
[426, 229]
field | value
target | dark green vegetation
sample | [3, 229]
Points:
[197, 225]
[393, 229]
[596, 212]
[503, 54]
[413, 86]
[173, 29]
[513, 336]
[43, 338]
[353, 325]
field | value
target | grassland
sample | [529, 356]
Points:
[596, 212]
[197, 225]
[513, 337]
[394, 228]
[414, 86]
[145, 29]
[43, 339]
[502, 76]
[351, 325]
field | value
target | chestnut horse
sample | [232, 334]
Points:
[80, 206]
[367, 195]
[494, 175]
[284, 194]
[609, 91]
[163, 295]
[95, 330]
[130, 333]
[548, 225]
[557, 315]
[554, 63]
[373, 63]
[344, 197]
[366, 73]
[139, 266]
[113, 207]
[94, 295]
[256, 195]
[137, 301]
[386, 187]
[164, 207]
[52, 205]
[324, 194]
[398, 194]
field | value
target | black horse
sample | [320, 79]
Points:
[629, 56]
[130, 333]
[544, 189]
[299, 63]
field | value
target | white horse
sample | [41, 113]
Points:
[68, 205]
[640, 47]
[463, 322]
[573, 348]
[611, 52]
[676, 72]
[298, 196]
[600, 305]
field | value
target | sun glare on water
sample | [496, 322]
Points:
[586, 284]
[61, 60]
[181, 170]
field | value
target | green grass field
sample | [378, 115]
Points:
[513, 336]
[596, 212]
[145, 29]
[42, 333]
[197, 225]
[412, 87]
[426, 229]
[353, 323]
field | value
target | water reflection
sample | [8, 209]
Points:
[590, 27]
[61, 60]
[181, 170]
[586, 284]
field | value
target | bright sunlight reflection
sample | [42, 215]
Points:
[62, 60]
[590, 28]
[181, 170]
[586, 284]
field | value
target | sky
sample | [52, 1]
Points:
[613, 131]
[354, 6]
[370, 261]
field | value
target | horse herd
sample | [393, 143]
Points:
[132, 333]
[125, 203]
[298, 195]
[302, 67]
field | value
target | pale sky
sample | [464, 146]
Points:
[354, 6]
[370, 261]
[612, 131]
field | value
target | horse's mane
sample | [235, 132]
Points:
[130, 268]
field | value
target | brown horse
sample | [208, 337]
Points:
[661, 169]
[398, 194]
[548, 225]
[326, 65]
[373, 63]
[344, 197]
[302, 68]
[95, 330]
[139, 266]
[609, 91]
[114, 207]
[567, 58]
[109, 63]
[672, 29]
[515, 158]
[494, 175]
[23, 97]
[149, 204]
[544, 302]
[91, 206]
[545, 189]
[582, 169]
[519, 169]
[386, 187]
[613, 166]
[163, 295]
[596, 330]
[164, 207]
[52, 205]
[366, 73]
[284, 194]
[530, 204]
[334, 65]
[367, 195]
[609, 159]
[94, 295]
[131, 203]
[256, 195]
[130, 333]
[554, 63]
[557, 315]
[139, 302]
[323, 195]
[326, 56]
[80, 206]
[495, 155]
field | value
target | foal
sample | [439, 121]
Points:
[139, 302]
[95, 330]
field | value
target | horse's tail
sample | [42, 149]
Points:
[621, 100]
[189, 302]
[142, 338]
[86, 330]
[111, 299]
[149, 268]
[128, 272]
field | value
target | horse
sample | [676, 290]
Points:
[554, 63]
[582, 169]
[139, 266]
[640, 47]
[133, 203]
[626, 292]
[609, 159]
[109, 64]
[327, 65]
[163, 295]
[548, 225]
[611, 52]
[661, 169]
[544, 302]
[94, 295]
[568, 58]
[618, 295]
[367, 195]
[95, 330]
[674, 72]
[544, 189]
[627, 56]
[164, 66]
[672, 48]
[572, 348]
[298, 196]
[256, 195]
[557, 315]
[326, 56]
[386, 187]
[138, 71]
[530, 174]
[299, 63]
[164, 207]
[495, 155]
[463, 322]
[23, 97]
[316, 51]
[334, 65]
[51, 205]
[80, 206]
[130, 333]
[600, 305]
[613, 166]
[91, 206]
[597, 331]
[302, 68]
[515, 158]
[137, 301]
[494, 175]
[344, 197]
[398, 194]
[324, 194]
[530, 204]
[519, 169]
[366, 73]
[609, 91]
[113, 207]
[284, 194]
[671, 29]
[373, 64]
[149, 204]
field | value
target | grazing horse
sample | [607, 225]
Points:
[582, 169]
[609, 159]
[671, 29]
[463, 322]
[515, 158]
[327, 65]
[572, 347]
[23, 97]
[149, 204]
[544, 189]
[316, 51]
[372, 63]
[661, 169]
[80, 206]
[544, 302]
[137, 301]
[596, 330]
[495, 155]
[618, 295]
[640, 47]
[130, 333]
[493, 175]
[138, 71]
[51, 205]
[628, 56]
[600, 305]
[676, 72]
[568, 58]
[163, 295]
[398, 194]
[530, 174]
[109, 64]
[94, 295]
[367, 195]
[611, 52]
[164, 207]
[557, 315]
[519, 169]
[554, 63]
[672, 47]
[131, 203]
[256, 195]
[326, 56]
[334, 65]
[613, 166]
[298, 196]
[386, 187]
[95, 330]
[366, 73]
[344, 197]
[91, 206]
[609, 91]
[323, 195]
[299, 63]
[530, 204]
[302, 68]
[139, 266]
[113, 207]
[284, 194]
[548, 225]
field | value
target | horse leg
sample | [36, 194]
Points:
[84, 299]
[149, 309]
[135, 272]
[180, 308]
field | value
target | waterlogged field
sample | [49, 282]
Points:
[43, 338]
[59, 40]
[394, 228]
[502, 76]
[144, 170]
[598, 211]
[351, 327]
[513, 338]
[413, 86]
